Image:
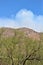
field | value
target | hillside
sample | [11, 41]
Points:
[21, 46]
[8, 32]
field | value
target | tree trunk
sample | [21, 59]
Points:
[12, 61]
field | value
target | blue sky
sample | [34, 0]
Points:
[13, 13]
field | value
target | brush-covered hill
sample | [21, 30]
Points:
[8, 32]
[22, 46]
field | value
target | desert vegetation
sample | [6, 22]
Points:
[17, 47]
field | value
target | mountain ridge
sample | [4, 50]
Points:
[10, 32]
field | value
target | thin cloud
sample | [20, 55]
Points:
[8, 23]
[24, 18]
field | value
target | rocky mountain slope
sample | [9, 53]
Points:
[8, 32]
